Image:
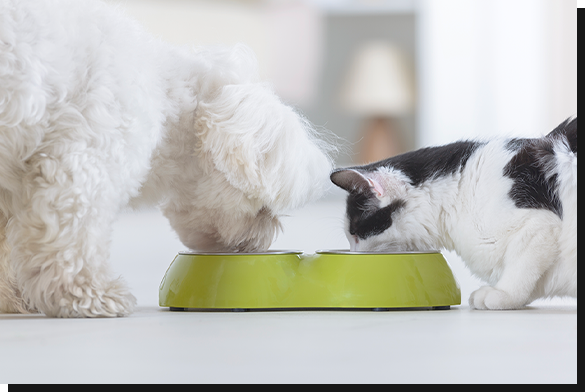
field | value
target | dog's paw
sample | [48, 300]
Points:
[14, 304]
[490, 298]
[114, 301]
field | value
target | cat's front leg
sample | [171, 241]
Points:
[527, 258]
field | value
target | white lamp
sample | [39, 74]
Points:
[379, 87]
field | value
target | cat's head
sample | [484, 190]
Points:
[378, 209]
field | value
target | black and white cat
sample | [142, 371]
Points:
[508, 207]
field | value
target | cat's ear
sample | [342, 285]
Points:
[354, 181]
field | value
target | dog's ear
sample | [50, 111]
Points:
[262, 146]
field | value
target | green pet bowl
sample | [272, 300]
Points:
[292, 280]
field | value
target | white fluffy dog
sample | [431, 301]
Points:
[95, 114]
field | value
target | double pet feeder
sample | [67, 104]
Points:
[288, 280]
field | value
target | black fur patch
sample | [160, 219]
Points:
[365, 221]
[568, 131]
[431, 162]
[532, 187]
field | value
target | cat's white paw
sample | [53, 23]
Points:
[490, 298]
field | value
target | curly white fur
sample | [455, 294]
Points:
[95, 114]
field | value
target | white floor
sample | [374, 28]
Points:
[535, 345]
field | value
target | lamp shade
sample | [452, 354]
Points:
[379, 82]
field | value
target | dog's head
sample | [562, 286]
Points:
[254, 159]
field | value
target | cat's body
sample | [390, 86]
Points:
[508, 207]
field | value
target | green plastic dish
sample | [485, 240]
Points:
[293, 280]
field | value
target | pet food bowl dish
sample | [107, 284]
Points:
[329, 279]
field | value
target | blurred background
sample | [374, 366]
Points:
[393, 75]
[387, 76]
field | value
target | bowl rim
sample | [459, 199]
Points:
[269, 252]
[361, 253]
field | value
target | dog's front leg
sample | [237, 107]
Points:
[10, 299]
[60, 237]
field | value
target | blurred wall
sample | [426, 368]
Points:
[491, 67]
